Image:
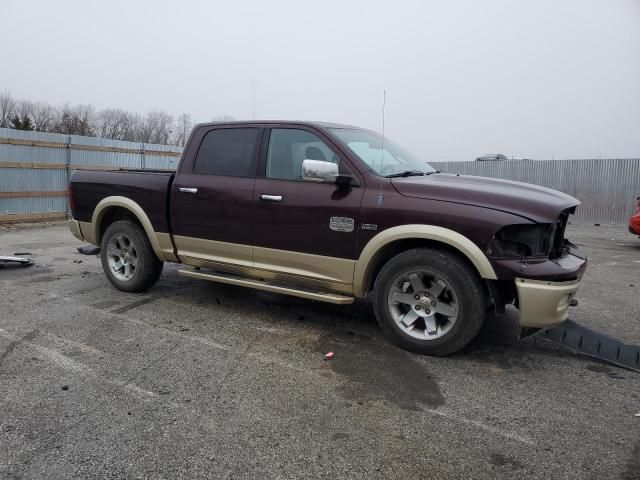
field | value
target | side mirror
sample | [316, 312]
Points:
[319, 171]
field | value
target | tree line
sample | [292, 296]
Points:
[115, 123]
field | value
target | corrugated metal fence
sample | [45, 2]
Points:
[606, 187]
[35, 168]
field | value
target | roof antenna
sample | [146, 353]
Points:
[253, 99]
[384, 103]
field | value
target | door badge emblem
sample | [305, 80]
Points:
[341, 224]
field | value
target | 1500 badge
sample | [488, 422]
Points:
[341, 224]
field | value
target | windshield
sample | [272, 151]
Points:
[392, 160]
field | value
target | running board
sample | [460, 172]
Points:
[268, 286]
[583, 340]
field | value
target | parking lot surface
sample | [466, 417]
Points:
[200, 380]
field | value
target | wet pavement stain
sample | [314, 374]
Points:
[104, 304]
[133, 305]
[501, 460]
[633, 467]
[375, 370]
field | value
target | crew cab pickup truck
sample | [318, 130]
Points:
[333, 213]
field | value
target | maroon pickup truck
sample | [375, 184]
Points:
[332, 213]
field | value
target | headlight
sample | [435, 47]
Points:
[523, 241]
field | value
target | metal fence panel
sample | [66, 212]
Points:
[35, 169]
[607, 187]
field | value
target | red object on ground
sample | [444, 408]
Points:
[634, 223]
[328, 356]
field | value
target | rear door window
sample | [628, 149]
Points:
[228, 151]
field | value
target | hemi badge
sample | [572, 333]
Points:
[368, 226]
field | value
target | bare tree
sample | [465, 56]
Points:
[182, 129]
[75, 121]
[156, 128]
[115, 123]
[43, 116]
[7, 109]
[112, 123]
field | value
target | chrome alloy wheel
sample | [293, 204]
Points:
[423, 304]
[122, 257]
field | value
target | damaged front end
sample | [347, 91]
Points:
[539, 270]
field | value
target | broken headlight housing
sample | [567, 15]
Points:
[533, 240]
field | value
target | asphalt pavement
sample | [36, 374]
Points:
[200, 380]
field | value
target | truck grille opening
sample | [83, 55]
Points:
[558, 246]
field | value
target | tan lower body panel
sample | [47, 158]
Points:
[200, 252]
[325, 272]
[271, 287]
[281, 266]
[86, 229]
[542, 303]
[164, 239]
[74, 226]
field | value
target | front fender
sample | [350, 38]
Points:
[427, 232]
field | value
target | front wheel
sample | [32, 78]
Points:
[128, 259]
[429, 301]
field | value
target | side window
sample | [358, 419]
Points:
[228, 151]
[289, 147]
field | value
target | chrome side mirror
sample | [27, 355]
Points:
[319, 171]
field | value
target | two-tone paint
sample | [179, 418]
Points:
[226, 226]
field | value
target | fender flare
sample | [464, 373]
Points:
[427, 232]
[135, 209]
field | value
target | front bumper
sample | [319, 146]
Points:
[544, 303]
[74, 226]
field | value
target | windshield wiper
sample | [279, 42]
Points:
[406, 173]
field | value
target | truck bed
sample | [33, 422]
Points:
[148, 188]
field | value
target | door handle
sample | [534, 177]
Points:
[188, 190]
[271, 198]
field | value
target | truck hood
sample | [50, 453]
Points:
[536, 203]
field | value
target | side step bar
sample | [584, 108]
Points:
[583, 340]
[269, 286]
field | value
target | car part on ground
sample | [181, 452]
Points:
[15, 262]
[89, 250]
[580, 339]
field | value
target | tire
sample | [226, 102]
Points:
[127, 243]
[445, 285]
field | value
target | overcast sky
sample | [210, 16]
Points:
[537, 78]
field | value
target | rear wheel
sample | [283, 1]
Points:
[128, 259]
[429, 301]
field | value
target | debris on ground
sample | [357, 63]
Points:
[89, 250]
[20, 254]
[615, 375]
[77, 261]
[15, 262]
[65, 387]
[637, 414]
[328, 356]
[583, 340]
